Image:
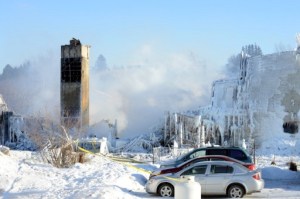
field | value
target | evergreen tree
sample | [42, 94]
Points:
[100, 63]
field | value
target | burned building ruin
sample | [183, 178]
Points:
[74, 88]
[261, 102]
[4, 122]
[11, 127]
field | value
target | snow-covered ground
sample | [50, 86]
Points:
[24, 175]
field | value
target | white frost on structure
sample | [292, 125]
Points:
[12, 133]
[95, 144]
[261, 105]
[298, 39]
[3, 106]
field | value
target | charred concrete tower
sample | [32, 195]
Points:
[74, 87]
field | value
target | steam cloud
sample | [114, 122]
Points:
[136, 95]
[33, 87]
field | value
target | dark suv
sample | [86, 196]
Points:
[233, 152]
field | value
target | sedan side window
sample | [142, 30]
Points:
[196, 170]
[195, 161]
[216, 169]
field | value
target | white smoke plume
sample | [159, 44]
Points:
[33, 87]
[136, 95]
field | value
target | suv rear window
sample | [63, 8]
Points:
[197, 154]
[237, 154]
[216, 152]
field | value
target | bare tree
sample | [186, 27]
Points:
[53, 141]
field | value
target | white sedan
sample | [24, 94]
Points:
[215, 178]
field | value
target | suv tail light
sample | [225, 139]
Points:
[251, 167]
[256, 176]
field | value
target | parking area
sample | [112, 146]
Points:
[284, 189]
[274, 189]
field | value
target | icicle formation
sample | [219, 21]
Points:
[298, 41]
[298, 47]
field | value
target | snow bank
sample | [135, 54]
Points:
[8, 171]
[285, 145]
[24, 175]
[277, 173]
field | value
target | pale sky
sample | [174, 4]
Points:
[124, 30]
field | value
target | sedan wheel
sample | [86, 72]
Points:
[236, 191]
[166, 190]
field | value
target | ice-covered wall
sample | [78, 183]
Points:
[260, 106]
[224, 94]
[272, 87]
[3, 105]
[263, 104]
[225, 111]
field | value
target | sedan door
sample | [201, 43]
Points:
[199, 173]
[217, 178]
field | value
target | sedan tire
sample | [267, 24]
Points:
[166, 190]
[236, 191]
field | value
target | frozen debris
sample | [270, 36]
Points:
[94, 144]
[142, 143]
[4, 150]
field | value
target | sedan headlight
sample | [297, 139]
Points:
[150, 181]
[154, 173]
